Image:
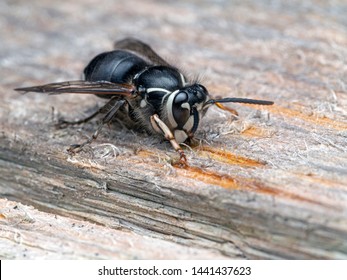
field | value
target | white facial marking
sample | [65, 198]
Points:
[186, 106]
[164, 97]
[189, 124]
[169, 105]
[180, 136]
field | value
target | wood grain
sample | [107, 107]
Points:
[27, 233]
[269, 183]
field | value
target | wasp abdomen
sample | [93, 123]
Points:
[115, 66]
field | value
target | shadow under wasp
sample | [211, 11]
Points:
[144, 88]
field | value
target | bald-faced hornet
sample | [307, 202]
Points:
[146, 89]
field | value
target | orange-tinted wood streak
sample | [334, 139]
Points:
[237, 183]
[227, 157]
[260, 187]
[322, 121]
[254, 132]
[208, 177]
[145, 153]
[232, 182]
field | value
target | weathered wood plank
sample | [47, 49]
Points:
[28, 234]
[270, 184]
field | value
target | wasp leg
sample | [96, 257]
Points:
[104, 109]
[106, 119]
[160, 126]
[64, 123]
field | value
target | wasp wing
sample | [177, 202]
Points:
[142, 49]
[84, 87]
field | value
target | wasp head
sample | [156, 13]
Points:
[184, 108]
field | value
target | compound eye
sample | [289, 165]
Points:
[181, 109]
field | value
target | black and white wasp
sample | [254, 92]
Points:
[146, 89]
